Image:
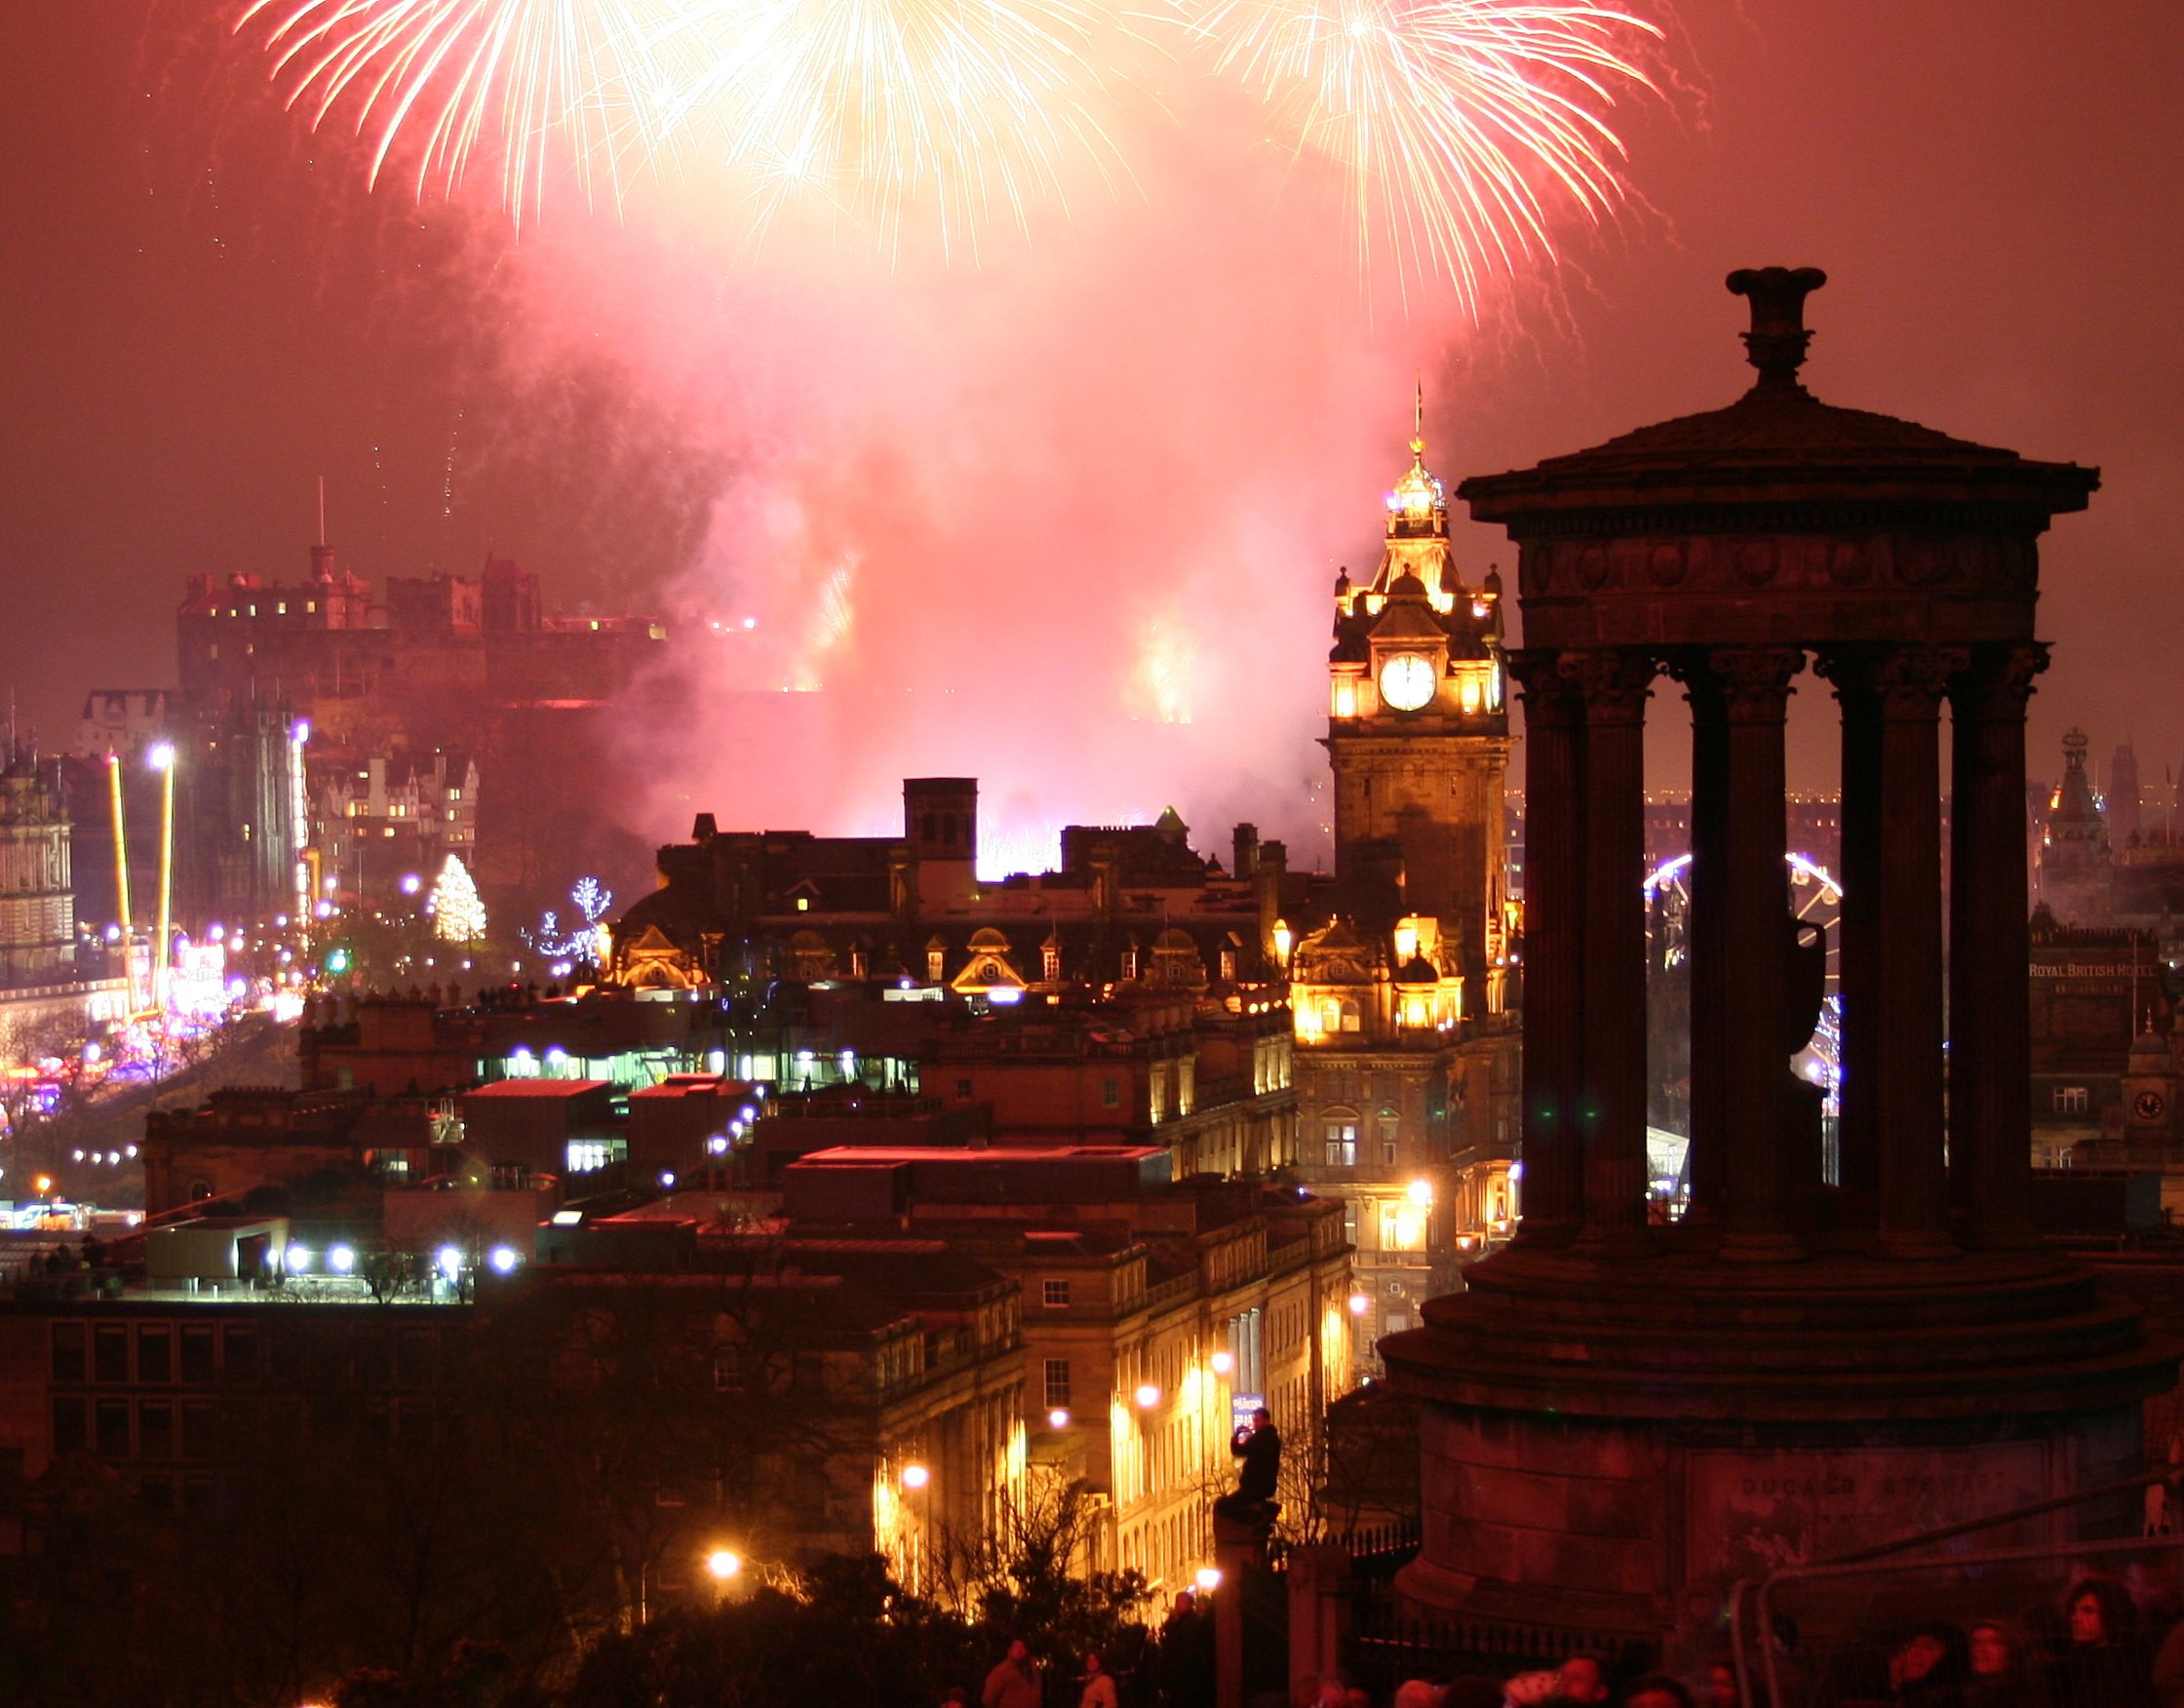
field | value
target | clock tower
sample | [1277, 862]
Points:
[1418, 733]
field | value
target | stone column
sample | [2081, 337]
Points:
[1859, 942]
[1755, 688]
[1704, 941]
[1554, 835]
[1613, 1111]
[1990, 1021]
[1908, 683]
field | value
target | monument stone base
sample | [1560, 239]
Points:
[1607, 1445]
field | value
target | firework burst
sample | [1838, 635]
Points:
[965, 107]
[1461, 129]
[1458, 126]
[578, 81]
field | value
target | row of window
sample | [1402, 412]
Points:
[147, 1429]
[195, 1354]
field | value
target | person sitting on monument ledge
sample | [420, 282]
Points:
[1259, 1447]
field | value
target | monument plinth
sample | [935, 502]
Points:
[1621, 1417]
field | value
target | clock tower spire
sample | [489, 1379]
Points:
[1417, 735]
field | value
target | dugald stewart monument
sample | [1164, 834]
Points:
[1620, 1419]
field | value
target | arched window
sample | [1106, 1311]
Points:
[1349, 1014]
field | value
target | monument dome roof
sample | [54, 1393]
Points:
[1778, 442]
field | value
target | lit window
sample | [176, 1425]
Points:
[1056, 1294]
[1342, 1143]
[586, 1156]
[1057, 1383]
[2072, 1100]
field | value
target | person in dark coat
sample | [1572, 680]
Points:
[2102, 1665]
[1259, 1449]
[2005, 1671]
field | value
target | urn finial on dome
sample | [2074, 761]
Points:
[1775, 344]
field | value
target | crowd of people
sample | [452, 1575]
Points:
[1582, 1680]
[2094, 1649]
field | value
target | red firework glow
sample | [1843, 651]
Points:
[1458, 126]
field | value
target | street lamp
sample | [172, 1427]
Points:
[723, 1564]
[161, 759]
[915, 1476]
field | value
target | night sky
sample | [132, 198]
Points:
[203, 310]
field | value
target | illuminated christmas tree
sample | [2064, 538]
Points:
[457, 914]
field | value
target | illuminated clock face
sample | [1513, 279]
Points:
[2149, 1105]
[1407, 681]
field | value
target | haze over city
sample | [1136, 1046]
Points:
[1119, 455]
[1073, 854]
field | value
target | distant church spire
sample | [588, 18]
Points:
[321, 554]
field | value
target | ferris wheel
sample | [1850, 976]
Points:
[1816, 904]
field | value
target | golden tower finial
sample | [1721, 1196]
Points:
[1418, 494]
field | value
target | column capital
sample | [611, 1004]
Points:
[1998, 680]
[1542, 685]
[1691, 665]
[1905, 681]
[1754, 681]
[1616, 683]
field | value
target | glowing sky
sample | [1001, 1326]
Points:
[1024, 510]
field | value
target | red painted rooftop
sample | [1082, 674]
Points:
[555, 1088]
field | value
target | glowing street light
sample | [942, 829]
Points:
[1359, 1304]
[341, 1259]
[1208, 1579]
[915, 1476]
[1420, 1193]
[723, 1564]
[1058, 1419]
[1148, 1396]
[161, 759]
[503, 1260]
[1223, 1363]
[449, 1262]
